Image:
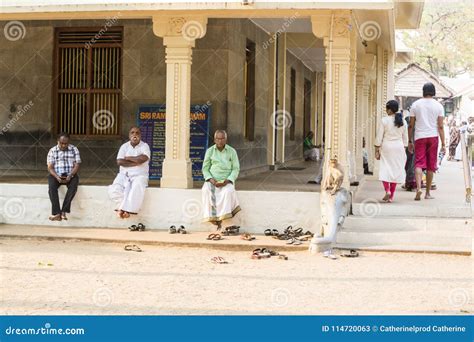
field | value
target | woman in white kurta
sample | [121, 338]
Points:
[391, 140]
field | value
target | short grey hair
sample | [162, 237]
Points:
[220, 131]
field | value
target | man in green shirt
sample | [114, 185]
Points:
[220, 170]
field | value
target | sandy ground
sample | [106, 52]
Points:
[90, 278]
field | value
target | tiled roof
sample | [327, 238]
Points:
[410, 81]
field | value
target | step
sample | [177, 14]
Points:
[394, 223]
[406, 248]
[372, 208]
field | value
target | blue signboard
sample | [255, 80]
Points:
[152, 118]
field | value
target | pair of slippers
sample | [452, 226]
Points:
[214, 236]
[264, 253]
[132, 248]
[137, 228]
[180, 230]
[219, 260]
[247, 237]
[231, 230]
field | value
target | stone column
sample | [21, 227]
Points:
[365, 65]
[382, 91]
[353, 107]
[179, 35]
[338, 80]
[320, 108]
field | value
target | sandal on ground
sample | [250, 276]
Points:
[172, 230]
[298, 231]
[247, 237]
[259, 253]
[214, 236]
[282, 256]
[231, 230]
[218, 260]
[141, 227]
[293, 241]
[275, 232]
[305, 237]
[182, 230]
[132, 248]
[56, 217]
[267, 232]
[352, 254]
[133, 228]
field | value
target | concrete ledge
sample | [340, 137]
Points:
[29, 204]
[157, 238]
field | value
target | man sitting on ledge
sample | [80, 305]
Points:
[63, 165]
[220, 170]
[128, 188]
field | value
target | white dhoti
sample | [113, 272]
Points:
[312, 154]
[128, 192]
[219, 203]
[392, 161]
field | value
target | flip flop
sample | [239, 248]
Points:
[231, 230]
[133, 248]
[133, 228]
[275, 232]
[247, 237]
[214, 236]
[293, 241]
[267, 232]
[352, 254]
[298, 231]
[172, 230]
[141, 227]
[282, 256]
[260, 255]
[218, 260]
[182, 230]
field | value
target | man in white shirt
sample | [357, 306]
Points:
[426, 118]
[128, 188]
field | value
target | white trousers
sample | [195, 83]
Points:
[128, 192]
[219, 203]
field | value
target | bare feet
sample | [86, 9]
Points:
[428, 196]
[418, 195]
[386, 197]
[56, 217]
[63, 216]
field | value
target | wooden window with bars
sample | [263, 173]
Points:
[87, 91]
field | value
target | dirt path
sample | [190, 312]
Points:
[91, 278]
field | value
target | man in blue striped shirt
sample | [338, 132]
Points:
[63, 164]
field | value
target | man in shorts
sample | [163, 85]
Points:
[429, 117]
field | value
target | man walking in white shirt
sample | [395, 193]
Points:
[427, 119]
[128, 188]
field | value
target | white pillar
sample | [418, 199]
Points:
[337, 45]
[179, 35]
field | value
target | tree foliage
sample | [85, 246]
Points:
[444, 42]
